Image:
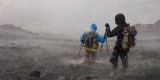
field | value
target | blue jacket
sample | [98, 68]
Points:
[98, 37]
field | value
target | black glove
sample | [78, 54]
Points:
[107, 25]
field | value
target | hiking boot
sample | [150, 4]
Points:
[86, 60]
[92, 60]
[115, 67]
[123, 70]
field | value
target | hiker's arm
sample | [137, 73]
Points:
[82, 38]
[114, 32]
[100, 38]
[117, 30]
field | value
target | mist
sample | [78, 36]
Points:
[39, 39]
[72, 17]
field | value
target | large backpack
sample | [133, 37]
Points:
[90, 40]
[129, 33]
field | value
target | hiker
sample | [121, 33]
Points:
[123, 42]
[90, 41]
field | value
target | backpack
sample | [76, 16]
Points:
[129, 34]
[90, 40]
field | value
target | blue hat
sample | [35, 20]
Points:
[93, 26]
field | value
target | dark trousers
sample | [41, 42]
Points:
[118, 51]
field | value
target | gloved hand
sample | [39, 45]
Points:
[107, 27]
[104, 39]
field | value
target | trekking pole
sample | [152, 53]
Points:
[79, 52]
[105, 35]
[107, 26]
[102, 43]
[107, 47]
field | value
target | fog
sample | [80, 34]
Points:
[56, 55]
[72, 17]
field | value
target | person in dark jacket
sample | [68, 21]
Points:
[118, 50]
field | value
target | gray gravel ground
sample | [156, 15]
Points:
[57, 60]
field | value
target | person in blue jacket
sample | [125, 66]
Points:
[90, 41]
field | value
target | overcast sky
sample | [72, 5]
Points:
[72, 17]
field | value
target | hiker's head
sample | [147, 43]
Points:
[93, 26]
[120, 19]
